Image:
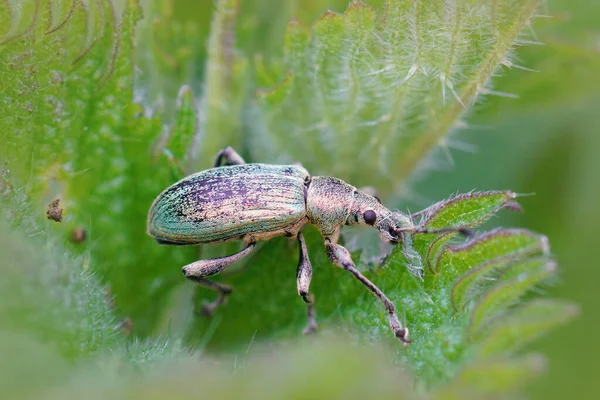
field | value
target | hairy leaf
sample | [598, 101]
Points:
[503, 295]
[365, 96]
[370, 93]
[525, 324]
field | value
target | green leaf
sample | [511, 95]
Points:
[185, 125]
[501, 375]
[525, 324]
[373, 93]
[481, 258]
[225, 89]
[463, 211]
[365, 96]
[86, 142]
[167, 53]
[48, 293]
[503, 295]
[501, 243]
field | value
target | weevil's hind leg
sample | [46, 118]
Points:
[228, 156]
[341, 257]
[199, 270]
[303, 278]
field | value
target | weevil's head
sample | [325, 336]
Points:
[368, 210]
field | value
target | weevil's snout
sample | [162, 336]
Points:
[393, 226]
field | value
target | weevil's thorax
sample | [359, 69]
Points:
[332, 203]
[328, 203]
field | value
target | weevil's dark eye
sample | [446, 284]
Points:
[370, 217]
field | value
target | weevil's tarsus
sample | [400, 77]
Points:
[223, 291]
[199, 270]
[228, 156]
[312, 325]
[340, 256]
[513, 206]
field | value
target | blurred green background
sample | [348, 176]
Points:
[545, 142]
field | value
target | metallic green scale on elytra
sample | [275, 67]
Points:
[229, 203]
[251, 202]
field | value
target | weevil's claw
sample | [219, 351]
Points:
[400, 332]
[305, 297]
[310, 328]
[207, 310]
[513, 206]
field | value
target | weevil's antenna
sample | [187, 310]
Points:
[463, 231]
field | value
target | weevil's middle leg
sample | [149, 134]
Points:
[303, 278]
[341, 257]
[199, 270]
[228, 156]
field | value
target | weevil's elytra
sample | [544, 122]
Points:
[251, 202]
[221, 204]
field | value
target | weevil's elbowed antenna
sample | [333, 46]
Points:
[463, 231]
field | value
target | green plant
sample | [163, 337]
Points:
[366, 95]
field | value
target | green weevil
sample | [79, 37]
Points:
[235, 201]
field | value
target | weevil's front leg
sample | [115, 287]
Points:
[303, 277]
[199, 270]
[341, 257]
[228, 156]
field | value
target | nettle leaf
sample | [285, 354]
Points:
[174, 143]
[481, 258]
[463, 211]
[501, 375]
[503, 295]
[226, 81]
[503, 243]
[366, 95]
[47, 292]
[523, 325]
[71, 130]
[471, 294]
[167, 51]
